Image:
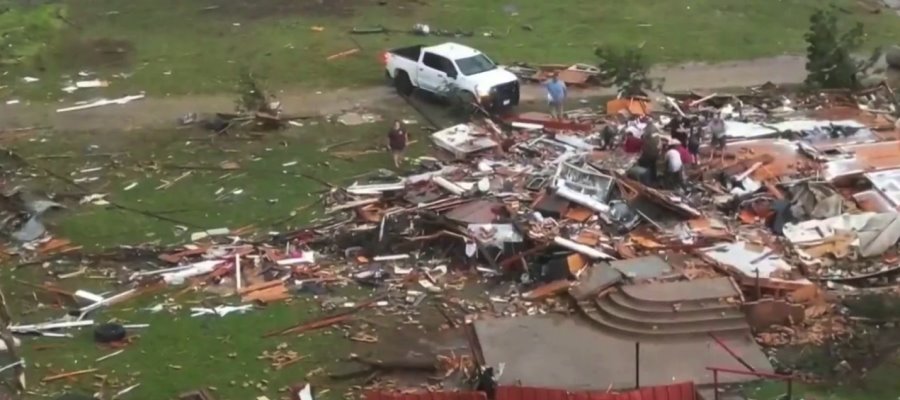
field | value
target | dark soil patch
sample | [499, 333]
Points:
[100, 53]
[875, 339]
[258, 9]
[879, 308]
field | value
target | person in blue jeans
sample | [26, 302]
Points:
[556, 95]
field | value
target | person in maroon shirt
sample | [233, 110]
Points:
[686, 157]
[397, 140]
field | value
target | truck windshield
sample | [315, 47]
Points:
[475, 65]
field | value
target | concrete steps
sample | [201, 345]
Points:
[671, 317]
[687, 307]
[622, 313]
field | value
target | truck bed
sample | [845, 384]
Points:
[411, 52]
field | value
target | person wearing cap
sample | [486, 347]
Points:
[674, 165]
[556, 95]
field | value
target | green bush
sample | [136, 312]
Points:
[25, 31]
[829, 62]
[626, 69]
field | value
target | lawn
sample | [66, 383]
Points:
[168, 47]
[877, 384]
[178, 353]
[275, 177]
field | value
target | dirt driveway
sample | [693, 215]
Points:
[161, 112]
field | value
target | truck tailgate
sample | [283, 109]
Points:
[396, 63]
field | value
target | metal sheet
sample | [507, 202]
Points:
[548, 122]
[747, 261]
[887, 183]
[744, 130]
[870, 120]
[462, 140]
[864, 158]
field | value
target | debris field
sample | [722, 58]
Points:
[565, 265]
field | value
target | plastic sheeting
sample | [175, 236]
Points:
[875, 232]
[815, 200]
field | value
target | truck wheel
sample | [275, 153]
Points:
[403, 84]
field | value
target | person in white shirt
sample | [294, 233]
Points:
[674, 165]
[717, 128]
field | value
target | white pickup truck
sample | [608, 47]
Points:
[441, 69]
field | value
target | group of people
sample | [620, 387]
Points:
[669, 150]
[664, 154]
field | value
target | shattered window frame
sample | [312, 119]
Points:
[580, 180]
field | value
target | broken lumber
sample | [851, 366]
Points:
[64, 375]
[396, 365]
[326, 321]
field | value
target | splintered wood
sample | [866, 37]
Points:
[281, 357]
[267, 292]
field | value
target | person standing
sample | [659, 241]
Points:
[397, 141]
[693, 139]
[556, 95]
[717, 130]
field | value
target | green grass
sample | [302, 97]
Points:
[178, 353]
[269, 193]
[878, 384]
[177, 47]
[25, 31]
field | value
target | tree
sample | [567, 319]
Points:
[626, 69]
[829, 62]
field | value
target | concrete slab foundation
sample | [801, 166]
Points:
[569, 353]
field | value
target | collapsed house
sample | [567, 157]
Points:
[616, 288]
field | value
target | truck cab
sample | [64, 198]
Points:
[452, 69]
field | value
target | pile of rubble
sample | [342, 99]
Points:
[799, 204]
